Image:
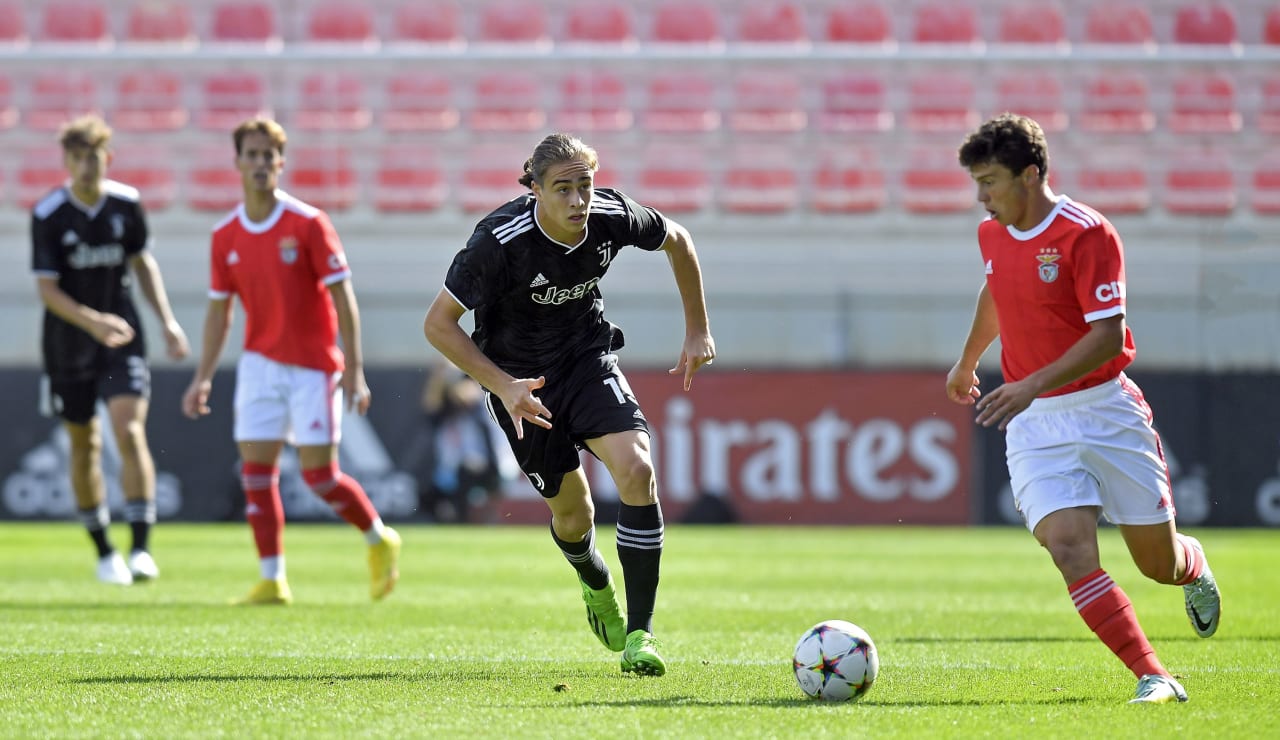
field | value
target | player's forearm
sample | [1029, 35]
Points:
[1104, 342]
[152, 286]
[983, 331]
[449, 339]
[67, 308]
[344, 303]
[688, 275]
[217, 325]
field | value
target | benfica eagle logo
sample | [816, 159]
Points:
[1048, 269]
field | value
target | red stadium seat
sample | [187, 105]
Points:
[772, 22]
[687, 22]
[409, 180]
[1200, 183]
[150, 171]
[332, 101]
[681, 102]
[1268, 120]
[593, 101]
[322, 176]
[767, 103]
[1119, 22]
[40, 169]
[941, 101]
[1033, 23]
[341, 22]
[428, 22]
[419, 101]
[160, 22]
[1117, 102]
[149, 101]
[227, 98]
[1113, 184]
[934, 183]
[56, 97]
[75, 21]
[759, 189]
[855, 102]
[9, 114]
[946, 22]
[1036, 94]
[1271, 27]
[848, 180]
[213, 183]
[244, 21]
[1204, 103]
[490, 177]
[514, 22]
[1265, 197]
[507, 101]
[859, 22]
[674, 179]
[1205, 22]
[13, 24]
[605, 22]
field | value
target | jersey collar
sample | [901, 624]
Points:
[1038, 229]
[567, 247]
[263, 226]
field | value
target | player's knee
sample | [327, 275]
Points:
[636, 482]
[572, 526]
[1073, 557]
[131, 437]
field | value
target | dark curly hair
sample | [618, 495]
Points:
[1008, 139]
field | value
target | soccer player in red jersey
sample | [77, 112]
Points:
[89, 236]
[284, 261]
[545, 352]
[1079, 433]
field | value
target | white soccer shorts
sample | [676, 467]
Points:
[274, 401]
[1094, 447]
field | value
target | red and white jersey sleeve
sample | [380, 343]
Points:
[1049, 283]
[281, 269]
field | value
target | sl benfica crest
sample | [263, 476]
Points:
[1048, 269]
[289, 250]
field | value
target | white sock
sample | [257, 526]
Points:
[272, 568]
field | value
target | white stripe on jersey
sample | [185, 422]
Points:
[1079, 214]
[50, 203]
[606, 203]
[513, 228]
[120, 190]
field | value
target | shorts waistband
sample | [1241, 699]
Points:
[1078, 398]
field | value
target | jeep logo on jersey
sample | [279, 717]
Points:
[554, 297]
[1049, 270]
[85, 256]
[289, 250]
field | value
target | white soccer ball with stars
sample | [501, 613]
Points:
[836, 660]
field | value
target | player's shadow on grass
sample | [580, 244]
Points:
[1084, 638]
[675, 702]
[426, 675]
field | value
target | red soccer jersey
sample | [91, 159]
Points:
[1049, 283]
[281, 269]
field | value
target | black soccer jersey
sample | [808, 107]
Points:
[87, 248]
[537, 301]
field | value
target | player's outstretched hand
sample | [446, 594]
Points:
[521, 405]
[962, 386]
[175, 341]
[195, 402]
[112, 331]
[698, 350]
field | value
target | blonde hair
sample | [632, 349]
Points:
[87, 131]
[260, 125]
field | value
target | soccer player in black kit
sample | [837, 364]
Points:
[87, 238]
[544, 352]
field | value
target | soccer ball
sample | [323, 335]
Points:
[836, 661]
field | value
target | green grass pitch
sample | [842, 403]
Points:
[485, 637]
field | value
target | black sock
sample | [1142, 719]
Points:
[140, 514]
[585, 558]
[95, 521]
[640, 552]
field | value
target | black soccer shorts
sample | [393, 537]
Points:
[75, 401]
[592, 401]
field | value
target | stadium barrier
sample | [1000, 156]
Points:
[752, 447]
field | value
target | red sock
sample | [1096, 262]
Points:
[343, 494]
[263, 509]
[1195, 560]
[1109, 613]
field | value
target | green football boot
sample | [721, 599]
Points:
[641, 655]
[604, 616]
